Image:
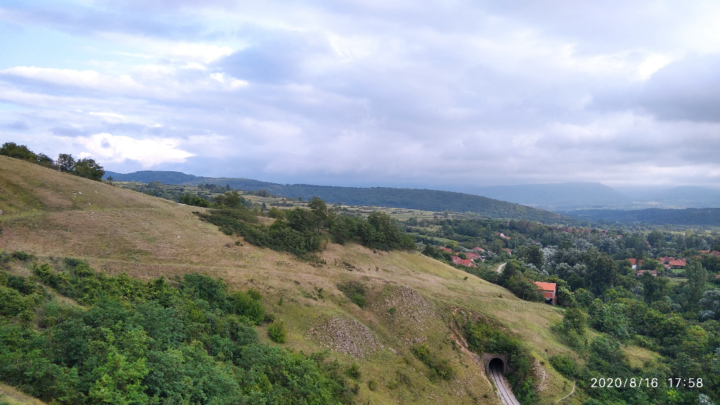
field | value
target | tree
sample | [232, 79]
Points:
[654, 288]
[320, 212]
[710, 304]
[231, 199]
[89, 169]
[66, 163]
[695, 286]
[601, 270]
[534, 255]
[16, 151]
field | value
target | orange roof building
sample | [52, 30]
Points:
[635, 263]
[549, 291]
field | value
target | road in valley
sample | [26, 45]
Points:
[500, 268]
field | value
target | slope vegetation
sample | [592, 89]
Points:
[409, 297]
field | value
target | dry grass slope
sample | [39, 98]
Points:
[51, 215]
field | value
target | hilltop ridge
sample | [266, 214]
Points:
[421, 199]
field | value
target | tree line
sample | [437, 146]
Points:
[87, 167]
[305, 231]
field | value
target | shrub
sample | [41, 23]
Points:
[355, 291]
[564, 365]
[353, 371]
[372, 385]
[247, 305]
[22, 256]
[276, 332]
[438, 367]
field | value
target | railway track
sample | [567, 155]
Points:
[506, 394]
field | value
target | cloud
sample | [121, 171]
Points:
[442, 94]
[118, 148]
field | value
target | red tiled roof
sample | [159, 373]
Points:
[443, 248]
[549, 289]
[678, 262]
[466, 262]
[472, 255]
[478, 249]
[508, 250]
[634, 262]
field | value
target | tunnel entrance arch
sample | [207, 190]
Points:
[497, 364]
[494, 360]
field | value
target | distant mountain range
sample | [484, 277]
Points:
[652, 216]
[557, 196]
[586, 201]
[428, 200]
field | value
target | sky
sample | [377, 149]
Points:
[430, 94]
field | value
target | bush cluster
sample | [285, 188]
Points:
[355, 291]
[300, 231]
[149, 343]
[439, 368]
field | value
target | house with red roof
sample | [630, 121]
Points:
[465, 262]
[635, 264]
[673, 263]
[478, 249]
[502, 235]
[444, 249]
[508, 250]
[472, 256]
[549, 291]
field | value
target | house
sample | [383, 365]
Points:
[653, 272]
[634, 263]
[549, 291]
[472, 256]
[673, 263]
[502, 235]
[478, 249]
[444, 249]
[465, 262]
[508, 250]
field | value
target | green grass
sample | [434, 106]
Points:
[126, 231]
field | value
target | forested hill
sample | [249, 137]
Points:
[653, 216]
[428, 200]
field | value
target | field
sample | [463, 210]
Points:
[53, 215]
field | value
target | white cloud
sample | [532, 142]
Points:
[110, 117]
[118, 148]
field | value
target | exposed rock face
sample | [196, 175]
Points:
[346, 336]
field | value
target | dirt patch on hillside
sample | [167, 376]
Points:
[345, 336]
[541, 376]
[407, 307]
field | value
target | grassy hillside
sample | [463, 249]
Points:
[53, 215]
[427, 200]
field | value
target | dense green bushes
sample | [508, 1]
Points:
[300, 231]
[355, 291]
[196, 200]
[150, 343]
[565, 365]
[439, 368]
